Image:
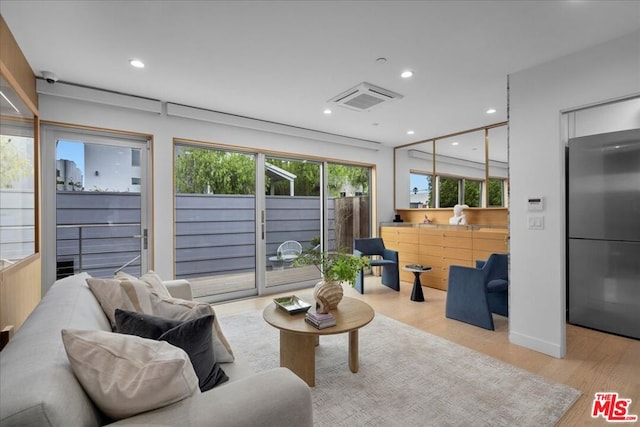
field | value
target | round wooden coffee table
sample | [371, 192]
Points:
[298, 339]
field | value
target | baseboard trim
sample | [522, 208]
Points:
[533, 343]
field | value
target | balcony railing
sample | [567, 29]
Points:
[99, 249]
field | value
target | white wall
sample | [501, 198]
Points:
[536, 160]
[164, 128]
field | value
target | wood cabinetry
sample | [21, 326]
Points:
[405, 241]
[440, 247]
[489, 240]
[431, 241]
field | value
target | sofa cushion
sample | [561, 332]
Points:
[136, 295]
[127, 293]
[108, 293]
[125, 375]
[179, 309]
[193, 336]
[151, 278]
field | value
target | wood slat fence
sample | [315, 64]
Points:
[214, 234]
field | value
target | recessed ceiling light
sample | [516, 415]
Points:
[406, 74]
[381, 60]
[491, 110]
[136, 63]
[410, 132]
[327, 111]
[455, 143]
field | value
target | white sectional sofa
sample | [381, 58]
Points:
[39, 388]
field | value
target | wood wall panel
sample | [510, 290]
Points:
[21, 284]
[475, 216]
[20, 291]
[16, 70]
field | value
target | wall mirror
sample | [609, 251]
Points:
[470, 167]
[17, 178]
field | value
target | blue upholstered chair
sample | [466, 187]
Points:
[389, 262]
[474, 293]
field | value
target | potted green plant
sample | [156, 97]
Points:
[336, 267]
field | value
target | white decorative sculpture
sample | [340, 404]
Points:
[458, 217]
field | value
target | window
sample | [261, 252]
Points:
[496, 192]
[420, 190]
[234, 210]
[472, 193]
[448, 192]
[215, 226]
[348, 203]
[17, 179]
[135, 157]
[135, 181]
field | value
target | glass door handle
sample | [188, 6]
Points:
[142, 236]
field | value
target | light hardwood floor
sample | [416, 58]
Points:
[595, 361]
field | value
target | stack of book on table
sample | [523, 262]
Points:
[320, 321]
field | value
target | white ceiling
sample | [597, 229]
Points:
[282, 61]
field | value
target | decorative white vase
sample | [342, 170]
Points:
[328, 295]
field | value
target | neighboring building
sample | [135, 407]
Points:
[68, 176]
[109, 168]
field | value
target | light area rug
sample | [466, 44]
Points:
[408, 377]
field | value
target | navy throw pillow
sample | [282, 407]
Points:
[193, 336]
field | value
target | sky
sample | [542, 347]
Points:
[67, 150]
[418, 181]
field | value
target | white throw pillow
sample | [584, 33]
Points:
[109, 295]
[137, 295]
[180, 309]
[151, 278]
[125, 375]
[126, 294]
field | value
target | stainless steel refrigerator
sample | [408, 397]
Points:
[604, 232]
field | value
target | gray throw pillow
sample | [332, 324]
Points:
[193, 336]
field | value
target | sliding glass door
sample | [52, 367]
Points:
[242, 218]
[215, 226]
[293, 218]
[348, 205]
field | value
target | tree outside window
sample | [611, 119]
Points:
[448, 191]
[496, 192]
[472, 193]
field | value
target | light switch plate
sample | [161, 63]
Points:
[536, 222]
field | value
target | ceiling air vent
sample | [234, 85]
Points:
[364, 96]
